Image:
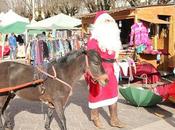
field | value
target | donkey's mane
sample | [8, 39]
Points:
[69, 57]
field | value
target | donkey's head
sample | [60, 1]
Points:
[95, 68]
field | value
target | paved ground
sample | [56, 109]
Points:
[31, 115]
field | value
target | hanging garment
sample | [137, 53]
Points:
[139, 35]
[61, 48]
[39, 53]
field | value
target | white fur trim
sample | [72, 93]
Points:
[103, 103]
[124, 66]
[107, 34]
[116, 70]
[103, 17]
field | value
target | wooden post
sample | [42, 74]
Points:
[171, 46]
[136, 18]
[156, 37]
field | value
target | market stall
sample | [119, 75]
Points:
[59, 30]
[147, 36]
[158, 20]
[60, 21]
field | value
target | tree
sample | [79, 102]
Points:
[3, 5]
[70, 7]
[90, 5]
[96, 5]
[24, 9]
[163, 1]
[50, 7]
[135, 3]
[47, 8]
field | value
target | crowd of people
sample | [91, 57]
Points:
[15, 43]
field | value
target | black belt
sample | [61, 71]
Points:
[109, 60]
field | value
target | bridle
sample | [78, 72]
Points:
[87, 70]
[55, 77]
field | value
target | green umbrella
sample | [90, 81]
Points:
[139, 96]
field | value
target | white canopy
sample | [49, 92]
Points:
[1, 16]
[60, 21]
[11, 17]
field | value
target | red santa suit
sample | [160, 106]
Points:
[100, 96]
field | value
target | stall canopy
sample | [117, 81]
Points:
[152, 19]
[12, 22]
[18, 27]
[60, 21]
[1, 16]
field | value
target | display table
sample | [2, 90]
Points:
[126, 53]
[154, 57]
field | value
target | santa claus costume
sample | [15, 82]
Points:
[105, 39]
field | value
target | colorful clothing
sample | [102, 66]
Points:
[139, 35]
[100, 96]
[13, 47]
[12, 41]
[39, 53]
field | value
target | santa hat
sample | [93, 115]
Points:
[101, 15]
[98, 14]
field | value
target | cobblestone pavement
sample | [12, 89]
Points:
[31, 115]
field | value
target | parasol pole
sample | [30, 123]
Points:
[33, 10]
[54, 33]
[156, 37]
[3, 43]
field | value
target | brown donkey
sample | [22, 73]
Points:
[68, 68]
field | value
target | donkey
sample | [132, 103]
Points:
[60, 76]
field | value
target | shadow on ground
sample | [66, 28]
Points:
[19, 105]
[161, 112]
[81, 90]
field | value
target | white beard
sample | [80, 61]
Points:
[108, 37]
